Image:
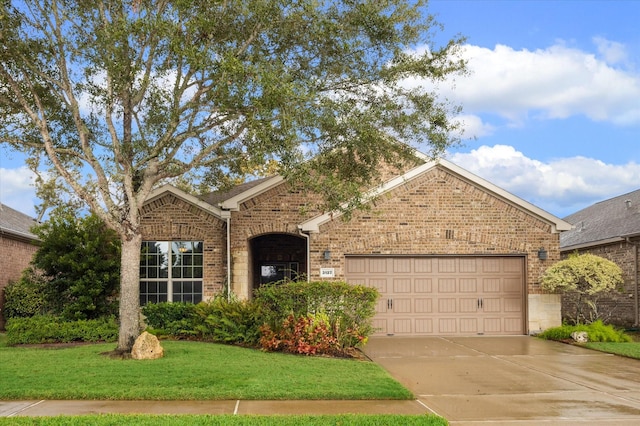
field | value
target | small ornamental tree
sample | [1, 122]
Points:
[585, 280]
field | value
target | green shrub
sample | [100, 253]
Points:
[81, 259]
[173, 319]
[349, 309]
[50, 329]
[25, 297]
[230, 321]
[597, 332]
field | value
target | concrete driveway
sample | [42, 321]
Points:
[516, 380]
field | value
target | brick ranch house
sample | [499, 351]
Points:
[450, 253]
[611, 229]
[17, 246]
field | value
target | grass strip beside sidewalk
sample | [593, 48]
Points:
[227, 420]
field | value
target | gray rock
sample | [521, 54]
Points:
[147, 346]
[580, 336]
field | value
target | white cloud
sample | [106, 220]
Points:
[552, 83]
[17, 189]
[611, 51]
[561, 186]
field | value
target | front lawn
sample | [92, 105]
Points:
[629, 349]
[189, 371]
[227, 420]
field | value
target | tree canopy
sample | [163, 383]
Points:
[584, 279]
[117, 97]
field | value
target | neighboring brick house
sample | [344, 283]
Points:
[17, 246]
[450, 252]
[611, 229]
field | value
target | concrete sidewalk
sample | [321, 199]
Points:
[82, 407]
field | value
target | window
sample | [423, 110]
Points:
[171, 271]
[273, 272]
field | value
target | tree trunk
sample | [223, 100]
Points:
[129, 293]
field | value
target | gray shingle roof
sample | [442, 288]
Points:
[214, 198]
[609, 219]
[16, 223]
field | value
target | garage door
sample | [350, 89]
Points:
[444, 295]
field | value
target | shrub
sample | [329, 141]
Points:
[307, 335]
[585, 280]
[49, 329]
[349, 309]
[597, 332]
[230, 321]
[174, 319]
[25, 297]
[81, 259]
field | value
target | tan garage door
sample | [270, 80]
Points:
[444, 295]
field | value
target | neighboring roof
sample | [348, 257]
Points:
[15, 223]
[557, 223]
[161, 191]
[604, 222]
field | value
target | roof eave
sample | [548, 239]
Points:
[23, 236]
[557, 224]
[234, 203]
[159, 192]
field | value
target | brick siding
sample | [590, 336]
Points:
[15, 256]
[436, 213]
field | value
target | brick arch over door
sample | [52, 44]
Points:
[275, 257]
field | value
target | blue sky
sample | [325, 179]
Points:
[552, 100]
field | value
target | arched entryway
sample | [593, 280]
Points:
[277, 257]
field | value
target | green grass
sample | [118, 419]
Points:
[628, 349]
[189, 371]
[227, 420]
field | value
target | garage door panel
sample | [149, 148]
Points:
[378, 265]
[491, 285]
[379, 284]
[512, 285]
[468, 285]
[448, 305]
[447, 326]
[402, 306]
[423, 306]
[423, 265]
[492, 325]
[402, 326]
[423, 326]
[512, 304]
[468, 265]
[402, 285]
[423, 285]
[447, 285]
[468, 325]
[468, 305]
[491, 304]
[513, 325]
[444, 296]
[447, 265]
[402, 265]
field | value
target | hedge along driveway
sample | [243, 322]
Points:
[189, 371]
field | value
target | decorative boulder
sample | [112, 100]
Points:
[580, 336]
[147, 346]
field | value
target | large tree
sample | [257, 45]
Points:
[120, 96]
